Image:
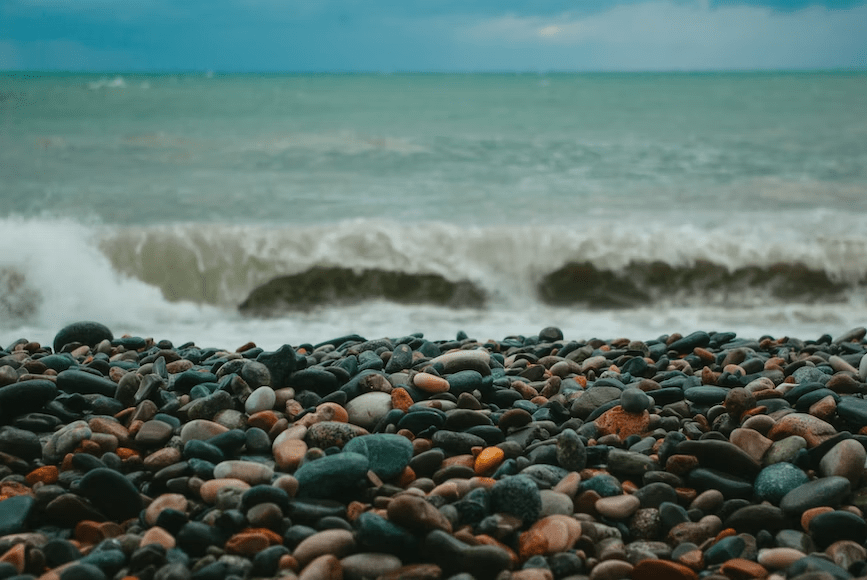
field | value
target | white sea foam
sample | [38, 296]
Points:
[64, 264]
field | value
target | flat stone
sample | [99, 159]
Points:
[827, 491]
[785, 450]
[617, 507]
[201, 429]
[174, 501]
[452, 362]
[368, 565]
[337, 543]
[721, 455]
[248, 471]
[331, 434]
[154, 433]
[779, 558]
[812, 429]
[332, 475]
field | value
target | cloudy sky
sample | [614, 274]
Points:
[431, 35]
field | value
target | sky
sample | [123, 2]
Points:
[431, 35]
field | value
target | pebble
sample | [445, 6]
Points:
[405, 458]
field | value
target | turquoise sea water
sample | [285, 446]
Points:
[158, 203]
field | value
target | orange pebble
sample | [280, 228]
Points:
[407, 476]
[48, 475]
[288, 562]
[400, 399]
[725, 534]
[274, 538]
[16, 556]
[355, 509]
[126, 452]
[335, 411]
[489, 460]
[808, 516]
[87, 532]
[264, 420]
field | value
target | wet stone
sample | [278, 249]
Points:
[776, 480]
[830, 527]
[518, 495]
[331, 475]
[828, 491]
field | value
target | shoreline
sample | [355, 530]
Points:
[532, 458]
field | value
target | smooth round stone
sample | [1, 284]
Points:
[201, 429]
[85, 332]
[336, 542]
[785, 450]
[111, 493]
[571, 452]
[262, 399]
[846, 459]
[517, 495]
[430, 383]
[331, 434]
[366, 410]
[554, 502]
[778, 558]
[724, 550]
[834, 526]
[331, 475]
[618, 507]
[775, 481]
[634, 400]
[706, 395]
[387, 454]
[827, 491]
[154, 433]
[211, 489]
[247, 471]
[256, 375]
[25, 397]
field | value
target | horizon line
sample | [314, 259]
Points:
[340, 72]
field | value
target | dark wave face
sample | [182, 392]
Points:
[640, 283]
[340, 286]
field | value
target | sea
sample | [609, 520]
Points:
[292, 209]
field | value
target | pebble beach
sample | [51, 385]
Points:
[528, 458]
